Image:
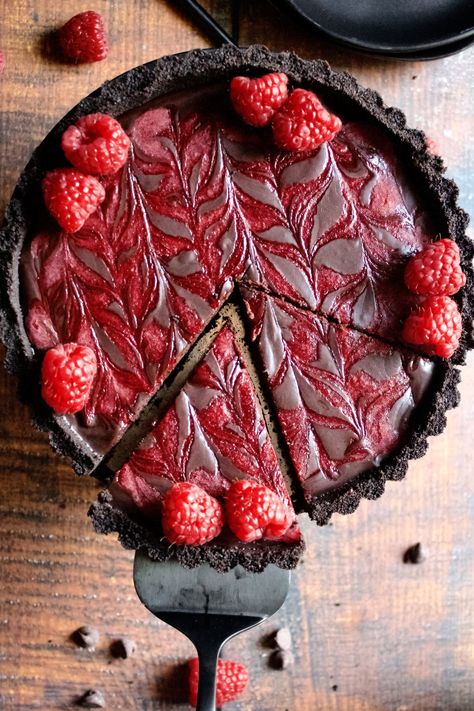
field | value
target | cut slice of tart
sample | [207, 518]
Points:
[346, 402]
[213, 434]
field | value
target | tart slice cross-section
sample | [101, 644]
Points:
[344, 400]
[211, 436]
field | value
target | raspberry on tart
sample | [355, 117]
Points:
[67, 376]
[435, 325]
[254, 511]
[71, 197]
[256, 100]
[189, 515]
[436, 270]
[96, 144]
[302, 123]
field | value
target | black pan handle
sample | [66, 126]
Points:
[208, 656]
[207, 22]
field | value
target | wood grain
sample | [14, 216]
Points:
[371, 634]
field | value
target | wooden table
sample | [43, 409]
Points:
[370, 633]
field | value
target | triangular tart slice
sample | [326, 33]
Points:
[344, 400]
[211, 434]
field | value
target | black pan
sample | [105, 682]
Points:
[395, 27]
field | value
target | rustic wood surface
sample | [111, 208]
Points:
[370, 633]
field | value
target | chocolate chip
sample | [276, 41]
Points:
[281, 659]
[414, 554]
[92, 699]
[86, 637]
[334, 687]
[283, 639]
[123, 648]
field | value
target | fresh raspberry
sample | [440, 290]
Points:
[254, 511]
[232, 679]
[436, 270]
[96, 144]
[67, 374]
[303, 123]
[435, 325]
[190, 515]
[2, 61]
[83, 39]
[71, 197]
[256, 100]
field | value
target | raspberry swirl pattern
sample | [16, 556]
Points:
[203, 201]
[336, 228]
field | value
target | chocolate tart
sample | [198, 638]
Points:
[204, 205]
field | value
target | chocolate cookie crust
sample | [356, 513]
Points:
[138, 86]
[254, 557]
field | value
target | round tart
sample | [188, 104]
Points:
[308, 249]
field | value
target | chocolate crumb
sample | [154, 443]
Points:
[86, 637]
[334, 687]
[281, 659]
[283, 639]
[414, 554]
[92, 699]
[123, 648]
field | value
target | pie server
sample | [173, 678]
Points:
[208, 607]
